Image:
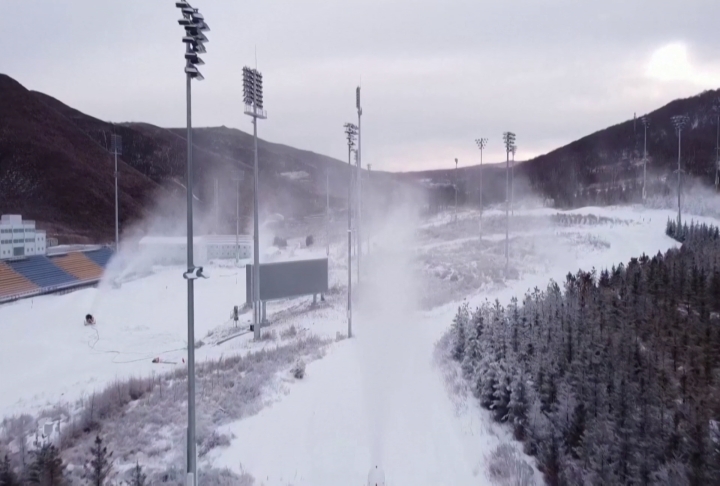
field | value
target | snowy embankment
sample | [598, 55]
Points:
[378, 398]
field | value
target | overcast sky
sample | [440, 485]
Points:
[435, 74]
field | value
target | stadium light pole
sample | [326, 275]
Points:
[238, 179]
[351, 132]
[327, 212]
[646, 122]
[679, 121]
[717, 145]
[253, 98]
[116, 148]
[369, 168]
[194, 24]
[358, 183]
[509, 139]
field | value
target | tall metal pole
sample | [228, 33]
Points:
[679, 121]
[645, 156]
[237, 223]
[456, 189]
[117, 218]
[256, 239]
[367, 233]
[349, 231]
[512, 182]
[717, 154]
[358, 161]
[327, 212]
[481, 142]
[509, 139]
[191, 458]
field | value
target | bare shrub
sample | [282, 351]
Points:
[212, 441]
[268, 336]
[289, 332]
[508, 467]
[298, 370]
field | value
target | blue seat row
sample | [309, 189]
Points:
[41, 271]
[101, 256]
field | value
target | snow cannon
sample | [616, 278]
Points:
[89, 320]
[376, 477]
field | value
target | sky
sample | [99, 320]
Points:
[435, 74]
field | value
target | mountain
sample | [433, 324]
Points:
[606, 166]
[55, 167]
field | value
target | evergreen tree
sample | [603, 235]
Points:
[138, 478]
[7, 475]
[100, 463]
[46, 468]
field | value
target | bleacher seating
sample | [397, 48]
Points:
[100, 257]
[78, 265]
[12, 283]
[41, 271]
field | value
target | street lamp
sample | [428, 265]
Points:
[194, 24]
[116, 148]
[646, 123]
[481, 143]
[253, 98]
[509, 139]
[351, 132]
[679, 121]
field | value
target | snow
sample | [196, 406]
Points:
[377, 399]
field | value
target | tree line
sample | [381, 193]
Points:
[611, 377]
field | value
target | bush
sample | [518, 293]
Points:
[280, 242]
[288, 333]
[309, 240]
[298, 371]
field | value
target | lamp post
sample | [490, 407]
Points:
[646, 122]
[512, 181]
[194, 24]
[238, 178]
[253, 98]
[481, 144]
[369, 168]
[116, 148]
[351, 132]
[509, 139]
[327, 212]
[679, 121]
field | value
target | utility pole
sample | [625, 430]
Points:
[481, 143]
[679, 122]
[509, 139]
[217, 206]
[369, 167]
[456, 190]
[351, 132]
[512, 182]
[717, 147]
[646, 123]
[194, 24]
[237, 179]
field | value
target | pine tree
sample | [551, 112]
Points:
[100, 464]
[46, 468]
[7, 475]
[138, 478]
[518, 406]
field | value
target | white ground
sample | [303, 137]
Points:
[377, 398]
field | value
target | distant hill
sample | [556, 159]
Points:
[606, 166]
[55, 168]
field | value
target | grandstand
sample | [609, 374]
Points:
[39, 274]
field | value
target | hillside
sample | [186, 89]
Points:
[606, 166]
[55, 168]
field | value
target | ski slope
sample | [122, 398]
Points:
[375, 399]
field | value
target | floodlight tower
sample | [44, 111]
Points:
[116, 148]
[509, 139]
[238, 178]
[253, 98]
[679, 121]
[194, 24]
[327, 212]
[351, 132]
[369, 168]
[646, 124]
[481, 143]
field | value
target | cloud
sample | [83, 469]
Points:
[435, 74]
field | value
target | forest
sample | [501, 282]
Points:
[611, 377]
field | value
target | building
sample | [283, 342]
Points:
[168, 250]
[20, 238]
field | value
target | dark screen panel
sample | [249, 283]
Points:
[280, 280]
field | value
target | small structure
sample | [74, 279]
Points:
[19, 238]
[170, 250]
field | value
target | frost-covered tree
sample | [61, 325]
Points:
[7, 475]
[100, 463]
[46, 468]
